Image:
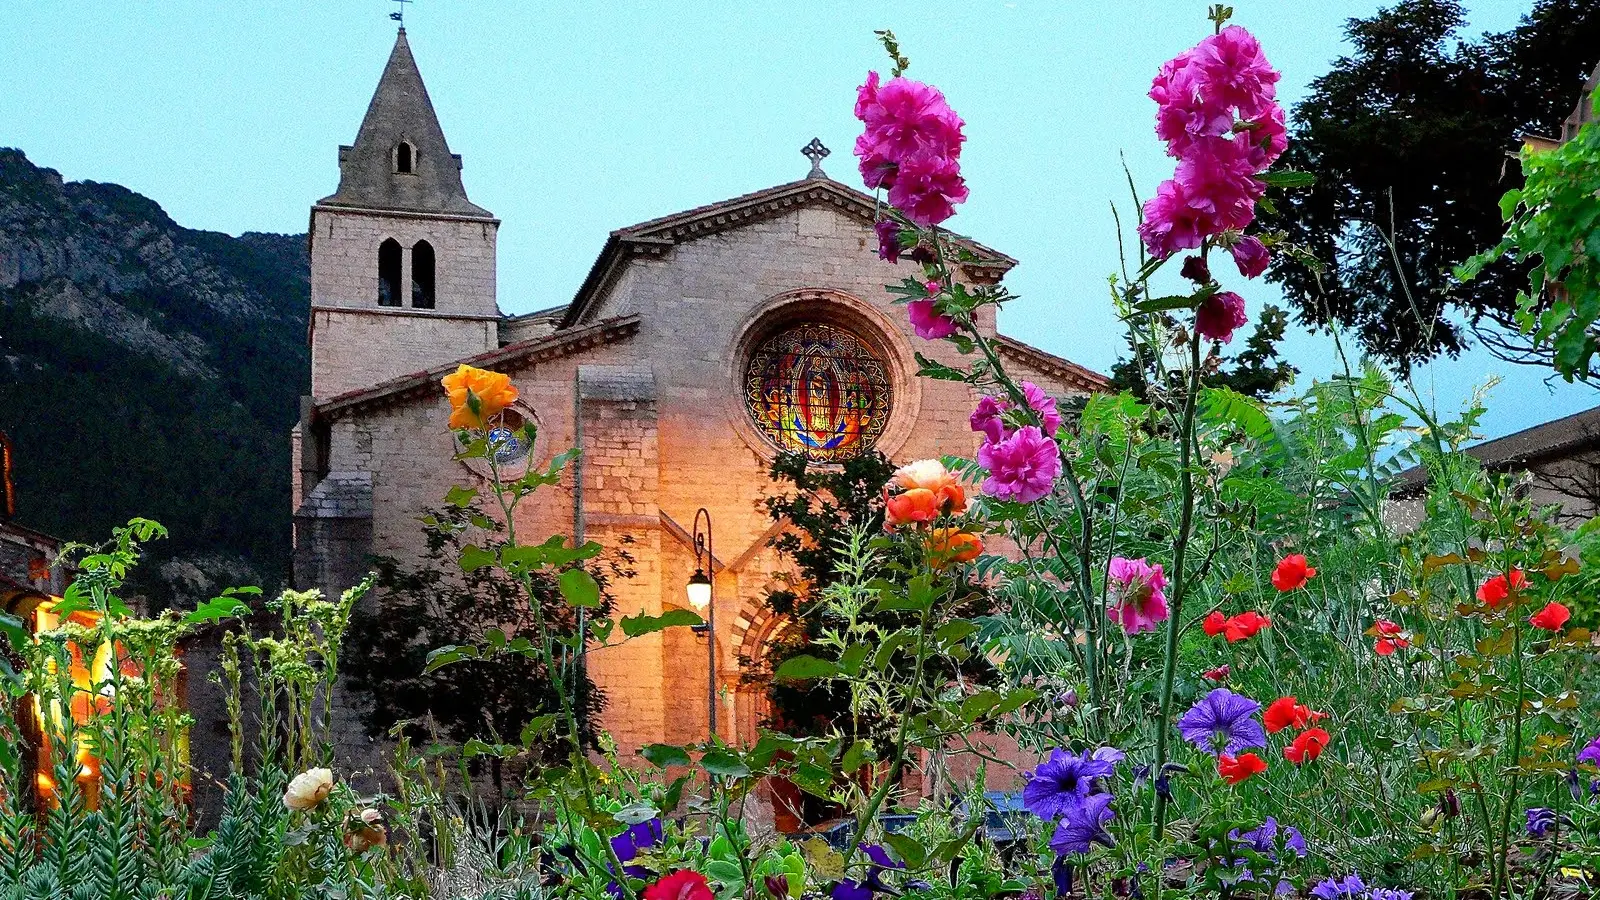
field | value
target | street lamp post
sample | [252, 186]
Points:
[701, 597]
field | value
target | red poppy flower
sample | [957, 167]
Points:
[1236, 769]
[1551, 618]
[1307, 746]
[1292, 572]
[1495, 591]
[1220, 673]
[683, 884]
[1286, 712]
[1245, 625]
[1390, 637]
[1214, 623]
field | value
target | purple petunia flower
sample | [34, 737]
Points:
[1351, 887]
[638, 837]
[1390, 894]
[1591, 753]
[1061, 874]
[850, 890]
[1062, 781]
[881, 860]
[1084, 824]
[1223, 718]
[1264, 840]
[1540, 820]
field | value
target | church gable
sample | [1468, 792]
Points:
[814, 201]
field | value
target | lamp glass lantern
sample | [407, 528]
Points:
[699, 590]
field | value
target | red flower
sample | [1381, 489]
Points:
[1286, 712]
[1215, 623]
[683, 884]
[1234, 770]
[1552, 617]
[1307, 747]
[1220, 673]
[1495, 591]
[1292, 572]
[1390, 637]
[1244, 625]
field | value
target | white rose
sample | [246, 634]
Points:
[308, 789]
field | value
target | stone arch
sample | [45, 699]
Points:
[389, 267]
[405, 158]
[840, 309]
[756, 627]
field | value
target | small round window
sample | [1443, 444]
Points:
[508, 443]
[817, 390]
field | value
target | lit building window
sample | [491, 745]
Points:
[818, 390]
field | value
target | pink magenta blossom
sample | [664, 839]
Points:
[986, 418]
[1022, 468]
[1139, 600]
[926, 188]
[1044, 406]
[1219, 314]
[1250, 255]
[927, 323]
[911, 147]
[888, 231]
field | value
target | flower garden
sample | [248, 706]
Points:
[1246, 665]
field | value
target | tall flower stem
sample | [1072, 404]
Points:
[1180, 584]
[557, 678]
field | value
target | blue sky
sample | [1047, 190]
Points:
[578, 118]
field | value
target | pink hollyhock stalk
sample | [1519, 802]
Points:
[1139, 599]
[927, 323]
[1219, 314]
[926, 188]
[911, 147]
[1022, 468]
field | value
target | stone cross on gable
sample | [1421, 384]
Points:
[815, 152]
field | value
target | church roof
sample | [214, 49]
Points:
[654, 237]
[1555, 439]
[372, 174]
[1065, 369]
[502, 359]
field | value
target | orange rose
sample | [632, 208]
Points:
[928, 490]
[476, 396]
[951, 545]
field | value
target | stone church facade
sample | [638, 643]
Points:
[676, 369]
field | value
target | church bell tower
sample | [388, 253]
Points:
[402, 263]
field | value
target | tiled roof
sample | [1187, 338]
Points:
[1062, 368]
[1556, 438]
[509, 357]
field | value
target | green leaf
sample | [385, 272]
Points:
[804, 668]
[1288, 178]
[580, 588]
[1175, 301]
[851, 659]
[15, 630]
[474, 558]
[724, 763]
[633, 626]
[859, 753]
[217, 608]
[449, 654]
[664, 755]
[912, 853]
[538, 727]
[461, 497]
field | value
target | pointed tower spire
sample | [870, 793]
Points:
[400, 160]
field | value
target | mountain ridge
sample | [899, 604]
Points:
[149, 369]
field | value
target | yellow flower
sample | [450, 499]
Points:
[308, 789]
[476, 396]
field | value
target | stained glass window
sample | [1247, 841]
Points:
[818, 390]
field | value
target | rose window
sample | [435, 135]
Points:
[818, 390]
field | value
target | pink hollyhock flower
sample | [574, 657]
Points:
[986, 418]
[1233, 72]
[1196, 270]
[1220, 184]
[1219, 314]
[927, 188]
[928, 324]
[888, 231]
[1170, 223]
[1139, 600]
[1044, 405]
[907, 118]
[877, 170]
[1250, 255]
[1022, 468]
[1264, 138]
[1182, 112]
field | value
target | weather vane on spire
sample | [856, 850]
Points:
[400, 14]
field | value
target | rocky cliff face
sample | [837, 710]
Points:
[147, 369]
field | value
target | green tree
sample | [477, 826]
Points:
[432, 603]
[1408, 136]
[1256, 371]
